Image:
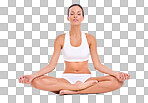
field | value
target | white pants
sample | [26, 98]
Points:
[73, 78]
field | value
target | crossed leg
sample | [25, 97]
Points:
[49, 83]
[53, 84]
[105, 84]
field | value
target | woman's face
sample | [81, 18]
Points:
[75, 15]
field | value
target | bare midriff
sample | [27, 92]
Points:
[77, 67]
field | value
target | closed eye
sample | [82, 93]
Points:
[78, 14]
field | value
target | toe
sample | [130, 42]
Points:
[96, 81]
[61, 92]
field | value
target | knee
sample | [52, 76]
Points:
[116, 82]
[35, 82]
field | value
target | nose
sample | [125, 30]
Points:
[75, 16]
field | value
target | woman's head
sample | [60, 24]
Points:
[75, 12]
[76, 5]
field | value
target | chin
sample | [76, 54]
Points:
[75, 24]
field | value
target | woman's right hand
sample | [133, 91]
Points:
[121, 76]
[26, 79]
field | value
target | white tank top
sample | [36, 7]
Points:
[75, 54]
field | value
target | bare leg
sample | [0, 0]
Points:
[108, 84]
[69, 91]
[61, 92]
[48, 83]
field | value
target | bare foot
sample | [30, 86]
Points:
[78, 82]
[80, 85]
[86, 84]
[62, 92]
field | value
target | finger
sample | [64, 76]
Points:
[20, 80]
[119, 76]
[23, 79]
[128, 76]
[125, 76]
[26, 79]
[122, 77]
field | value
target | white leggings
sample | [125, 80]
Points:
[72, 77]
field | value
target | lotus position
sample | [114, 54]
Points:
[76, 78]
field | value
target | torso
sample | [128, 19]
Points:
[76, 67]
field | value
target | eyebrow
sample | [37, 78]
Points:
[73, 11]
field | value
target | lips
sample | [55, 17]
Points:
[75, 19]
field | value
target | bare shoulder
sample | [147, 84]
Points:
[90, 38]
[60, 38]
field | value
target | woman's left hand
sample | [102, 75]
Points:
[122, 76]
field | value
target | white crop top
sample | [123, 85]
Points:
[75, 54]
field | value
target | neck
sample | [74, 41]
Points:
[75, 30]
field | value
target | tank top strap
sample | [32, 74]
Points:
[66, 39]
[84, 37]
[85, 40]
[75, 54]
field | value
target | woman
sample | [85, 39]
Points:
[76, 78]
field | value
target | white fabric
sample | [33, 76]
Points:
[73, 78]
[75, 54]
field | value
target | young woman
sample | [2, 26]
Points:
[76, 78]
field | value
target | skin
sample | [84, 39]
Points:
[61, 85]
[75, 12]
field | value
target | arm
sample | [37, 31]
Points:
[43, 71]
[102, 68]
[95, 58]
[52, 64]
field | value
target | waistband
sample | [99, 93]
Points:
[76, 74]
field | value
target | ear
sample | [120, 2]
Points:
[67, 18]
[82, 18]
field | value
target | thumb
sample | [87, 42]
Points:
[30, 80]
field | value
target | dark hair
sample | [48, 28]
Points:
[76, 5]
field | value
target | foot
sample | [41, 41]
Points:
[80, 85]
[62, 92]
[86, 84]
[78, 82]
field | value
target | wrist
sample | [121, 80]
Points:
[114, 73]
[33, 75]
